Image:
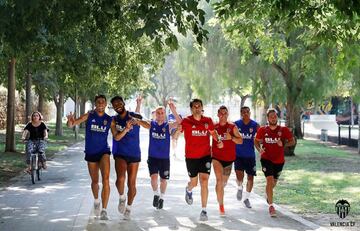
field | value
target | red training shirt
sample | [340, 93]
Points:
[197, 137]
[227, 153]
[273, 151]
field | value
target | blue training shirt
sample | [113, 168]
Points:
[247, 131]
[159, 140]
[129, 145]
[97, 130]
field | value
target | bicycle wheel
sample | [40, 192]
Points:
[33, 166]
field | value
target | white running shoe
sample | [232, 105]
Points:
[121, 206]
[203, 216]
[97, 208]
[127, 214]
[103, 215]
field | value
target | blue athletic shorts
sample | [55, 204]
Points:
[247, 164]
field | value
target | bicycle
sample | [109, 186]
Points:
[36, 164]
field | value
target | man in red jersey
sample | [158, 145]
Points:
[223, 153]
[273, 139]
[197, 129]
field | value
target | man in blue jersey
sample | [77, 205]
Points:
[126, 150]
[245, 155]
[97, 151]
[159, 154]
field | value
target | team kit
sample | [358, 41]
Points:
[221, 145]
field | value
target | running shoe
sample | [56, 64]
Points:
[97, 208]
[203, 216]
[121, 205]
[127, 214]
[156, 201]
[160, 204]
[272, 211]
[221, 210]
[247, 203]
[188, 197]
[103, 215]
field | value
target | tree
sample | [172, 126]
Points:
[287, 35]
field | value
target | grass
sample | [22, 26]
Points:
[13, 163]
[316, 178]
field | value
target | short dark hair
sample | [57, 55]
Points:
[244, 108]
[195, 101]
[100, 97]
[117, 98]
[271, 110]
[222, 107]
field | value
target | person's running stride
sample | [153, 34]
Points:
[197, 129]
[159, 154]
[245, 155]
[273, 139]
[223, 153]
[126, 150]
[97, 151]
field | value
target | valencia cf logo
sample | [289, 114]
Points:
[206, 126]
[279, 133]
[105, 122]
[342, 208]
[228, 130]
[251, 130]
[163, 129]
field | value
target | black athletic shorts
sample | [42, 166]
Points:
[159, 166]
[271, 169]
[224, 163]
[196, 166]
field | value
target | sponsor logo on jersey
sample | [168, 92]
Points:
[159, 136]
[270, 140]
[97, 128]
[246, 136]
[119, 128]
[199, 133]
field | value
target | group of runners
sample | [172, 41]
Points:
[231, 143]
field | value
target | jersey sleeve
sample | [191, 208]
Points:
[260, 133]
[211, 125]
[287, 133]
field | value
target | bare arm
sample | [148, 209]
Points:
[257, 144]
[71, 122]
[25, 135]
[118, 135]
[173, 110]
[143, 123]
[237, 138]
[46, 134]
[139, 100]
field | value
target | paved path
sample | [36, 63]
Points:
[63, 201]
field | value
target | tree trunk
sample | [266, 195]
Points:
[28, 95]
[59, 102]
[10, 114]
[82, 109]
[41, 102]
